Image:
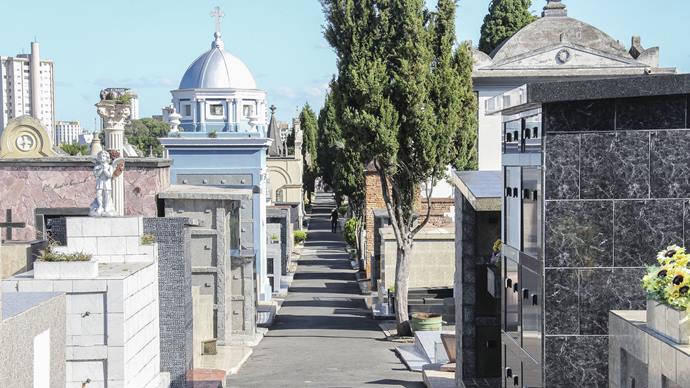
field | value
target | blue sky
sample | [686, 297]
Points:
[147, 44]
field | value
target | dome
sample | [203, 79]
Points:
[217, 69]
[553, 29]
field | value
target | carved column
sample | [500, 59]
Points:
[115, 114]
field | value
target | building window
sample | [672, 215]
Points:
[216, 110]
[247, 111]
[188, 110]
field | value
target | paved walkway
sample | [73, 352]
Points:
[322, 336]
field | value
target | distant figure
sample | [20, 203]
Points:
[334, 220]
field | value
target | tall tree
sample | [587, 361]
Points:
[329, 135]
[505, 18]
[404, 95]
[309, 127]
[144, 134]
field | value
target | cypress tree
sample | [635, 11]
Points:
[505, 18]
[309, 127]
[402, 99]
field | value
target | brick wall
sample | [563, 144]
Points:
[373, 200]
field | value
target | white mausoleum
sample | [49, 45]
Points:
[218, 93]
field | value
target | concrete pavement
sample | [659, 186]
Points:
[322, 336]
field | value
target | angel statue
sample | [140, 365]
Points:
[104, 171]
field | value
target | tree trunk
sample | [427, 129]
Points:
[402, 277]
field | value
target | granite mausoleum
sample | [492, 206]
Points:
[477, 283]
[594, 186]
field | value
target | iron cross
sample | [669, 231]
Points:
[9, 225]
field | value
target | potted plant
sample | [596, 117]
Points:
[667, 286]
[426, 322]
[147, 239]
[274, 238]
[52, 264]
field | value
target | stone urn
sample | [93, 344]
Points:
[669, 322]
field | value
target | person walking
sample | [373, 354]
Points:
[334, 220]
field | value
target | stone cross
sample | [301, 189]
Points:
[217, 14]
[9, 225]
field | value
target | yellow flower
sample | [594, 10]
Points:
[673, 254]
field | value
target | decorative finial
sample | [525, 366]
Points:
[554, 8]
[273, 109]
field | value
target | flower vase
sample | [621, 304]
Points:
[669, 322]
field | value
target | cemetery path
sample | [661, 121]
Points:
[322, 336]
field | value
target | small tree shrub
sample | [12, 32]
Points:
[350, 232]
[300, 236]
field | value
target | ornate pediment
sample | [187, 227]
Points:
[563, 56]
[25, 137]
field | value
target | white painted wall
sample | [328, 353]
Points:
[42, 360]
[489, 136]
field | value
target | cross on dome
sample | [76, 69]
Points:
[218, 14]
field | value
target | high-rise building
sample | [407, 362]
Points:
[67, 132]
[27, 88]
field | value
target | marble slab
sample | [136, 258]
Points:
[655, 112]
[614, 165]
[579, 233]
[607, 289]
[670, 169]
[642, 228]
[591, 115]
[562, 161]
[560, 295]
[565, 363]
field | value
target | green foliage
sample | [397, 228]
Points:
[339, 161]
[213, 134]
[309, 127]
[50, 255]
[300, 236]
[125, 99]
[350, 232]
[144, 135]
[342, 209]
[75, 149]
[148, 239]
[403, 102]
[505, 18]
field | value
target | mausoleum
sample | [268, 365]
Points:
[221, 141]
[554, 47]
[594, 187]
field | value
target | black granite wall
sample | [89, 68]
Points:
[477, 312]
[617, 190]
[175, 296]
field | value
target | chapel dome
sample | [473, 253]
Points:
[554, 28]
[217, 69]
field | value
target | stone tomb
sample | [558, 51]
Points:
[223, 279]
[641, 357]
[477, 278]
[594, 187]
[112, 317]
[274, 255]
[282, 215]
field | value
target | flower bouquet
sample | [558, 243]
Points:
[668, 294]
